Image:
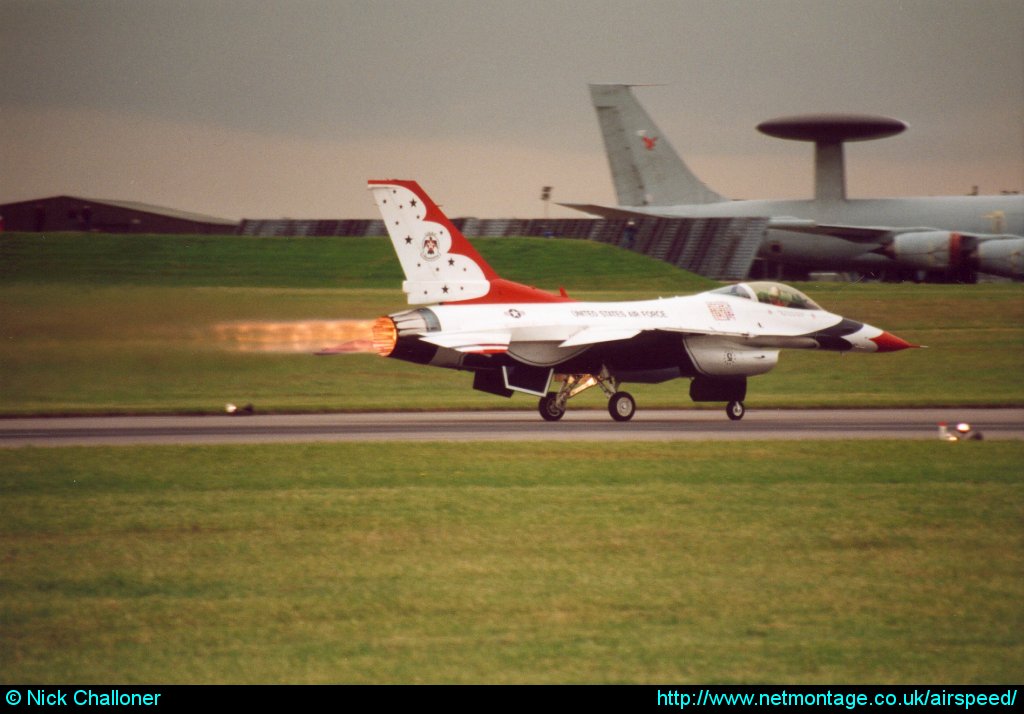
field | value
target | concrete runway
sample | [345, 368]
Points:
[647, 425]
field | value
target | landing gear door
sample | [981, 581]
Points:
[530, 380]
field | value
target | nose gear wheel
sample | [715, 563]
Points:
[735, 410]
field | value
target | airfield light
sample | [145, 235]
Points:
[384, 336]
[962, 432]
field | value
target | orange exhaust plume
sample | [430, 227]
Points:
[385, 336]
[308, 336]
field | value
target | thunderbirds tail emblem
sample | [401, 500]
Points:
[431, 249]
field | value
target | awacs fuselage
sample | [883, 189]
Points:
[519, 339]
[938, 237]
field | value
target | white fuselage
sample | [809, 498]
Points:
[707, 324]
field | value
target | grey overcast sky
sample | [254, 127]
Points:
[267, 109]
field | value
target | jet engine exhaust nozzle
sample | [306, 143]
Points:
[385, 336]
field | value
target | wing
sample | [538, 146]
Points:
[855, 234]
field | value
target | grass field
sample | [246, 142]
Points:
[652, 562]
[114, 324]
[872, 562]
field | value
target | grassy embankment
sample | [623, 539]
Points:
[96, 323]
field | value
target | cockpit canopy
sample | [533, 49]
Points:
[770, 294]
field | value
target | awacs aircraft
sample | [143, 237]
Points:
[944, 238]
[516, 338]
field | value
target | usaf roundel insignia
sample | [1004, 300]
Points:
[430, 248]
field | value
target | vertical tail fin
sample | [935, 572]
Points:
[440, 265]
[646, 170]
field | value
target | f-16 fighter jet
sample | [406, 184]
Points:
[516, 338]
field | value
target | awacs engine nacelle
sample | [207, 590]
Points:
[932, 250]
[1002, 256]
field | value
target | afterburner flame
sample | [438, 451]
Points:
[310, 336]
[384, 336]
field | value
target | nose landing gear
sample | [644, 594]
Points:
[735, 410]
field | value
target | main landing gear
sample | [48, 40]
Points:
[621, 405]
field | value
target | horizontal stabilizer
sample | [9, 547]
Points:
[594, 335]
[487, 343]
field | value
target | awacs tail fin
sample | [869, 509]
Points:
[440, 265]
[646, 170]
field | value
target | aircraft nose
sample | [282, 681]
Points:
[859, 337]
[888, 342]
[868, 338]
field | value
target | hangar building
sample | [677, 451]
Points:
[71, 213]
